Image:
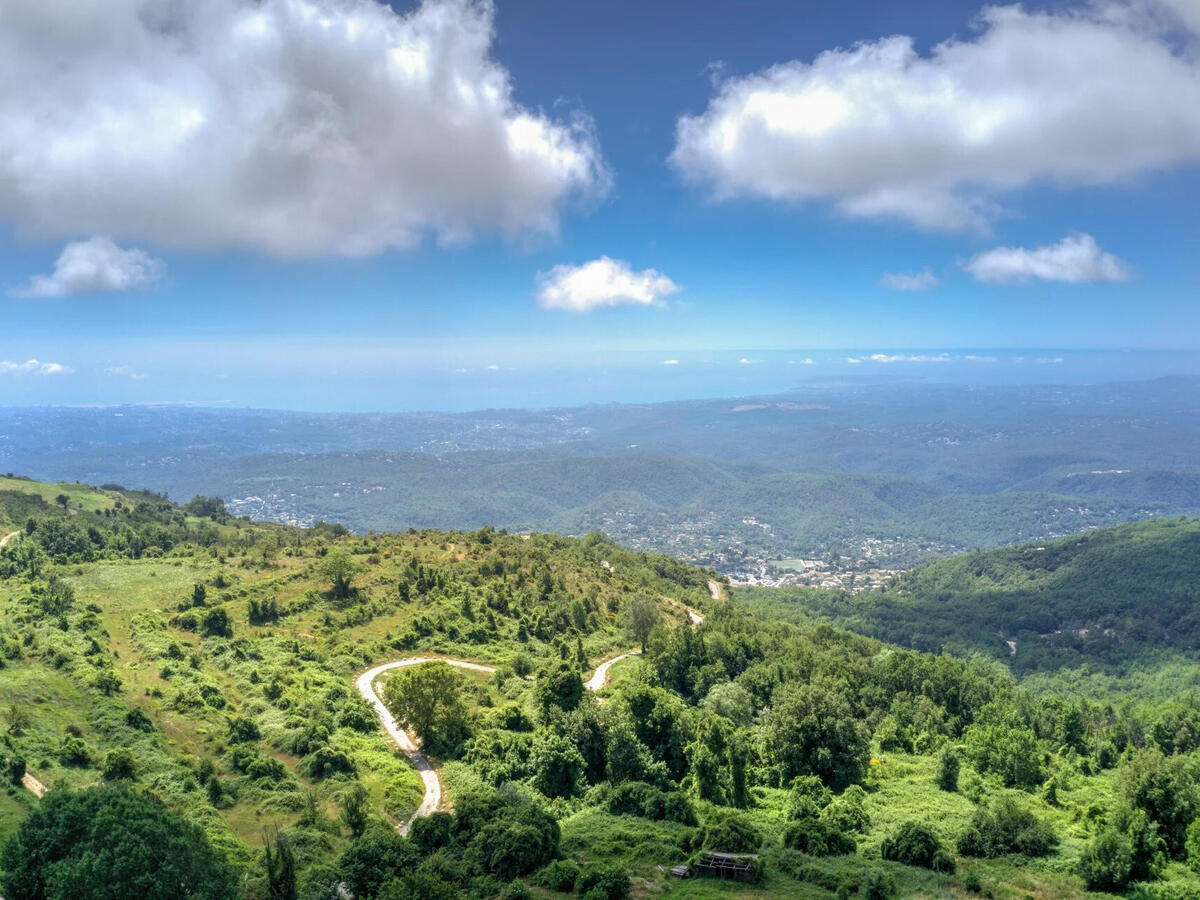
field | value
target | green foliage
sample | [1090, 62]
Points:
[356, 809]
[948, 769]
[1006, 827]
[726, 831]
[915, 844]
[603, 883]
[1164, 788]
[280, 864]
[559, 875]
[811, 729]
[429, 699]
[1107, 861]
[111, 842]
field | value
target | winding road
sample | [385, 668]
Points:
[8, 537]
[365, 683]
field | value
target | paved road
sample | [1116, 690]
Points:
[365, 683]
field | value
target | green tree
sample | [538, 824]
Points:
[428, 699]
[915, 844]
[560, 686]
[1107, 861]
[280, 863]
[111, 841]
[948, 767]
[811, 729]
[640, 618]
[356, 809]
[339, 568]
[119, 765]
[557, 765]
[1163, 788]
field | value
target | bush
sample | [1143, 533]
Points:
[817, 839]
[559, 875]
[605, 882]
[971, 882]
[324, 762]
[119, 766]
[81, 844]
[915, 844]
[730, 832]
[1006, 828]
[1107, 861]
[516, 890]
[877, 886]
[948, 768]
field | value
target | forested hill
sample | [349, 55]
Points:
[1108, 596]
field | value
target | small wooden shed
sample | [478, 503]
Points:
[733, 866]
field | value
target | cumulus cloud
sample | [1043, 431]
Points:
[602, 283]
[33, 367]
[1076, 258]
[903, 281]
[670, 362]
[295, 127]
[807, 361]
[1080, 97]
[95, 266]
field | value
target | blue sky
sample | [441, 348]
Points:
[383, 234]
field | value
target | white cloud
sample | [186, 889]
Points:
[95, 266]
[1082, 97]
[746, 361]
[807, 361]
[295, 127]
[1076, 258]
[603, 282]
[903, 281]
[125, 372]
[909, 357]
[33, 367]
[670, 362]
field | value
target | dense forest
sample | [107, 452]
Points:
[183, 682]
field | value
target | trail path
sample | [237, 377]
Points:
[34, 786]
[8, 537]
[365, 683]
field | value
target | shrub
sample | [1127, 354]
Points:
[118, 765]
[1006, 828]
[730, 832]
[972, 883]
[324, 762]
[1107, 861]
[915, 844]
[559, 875]
[817, 839]
[948, 768]
[605, 882]
[877, 885]
[516, 890]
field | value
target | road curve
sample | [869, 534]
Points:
[366, 687]
[8, 537]
[365, 683]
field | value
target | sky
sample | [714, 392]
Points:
[337, 204]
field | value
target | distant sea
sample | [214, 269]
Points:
[382, 379]
[641, 377]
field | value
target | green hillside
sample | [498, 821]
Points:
[1110, 598]
[168, 668]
